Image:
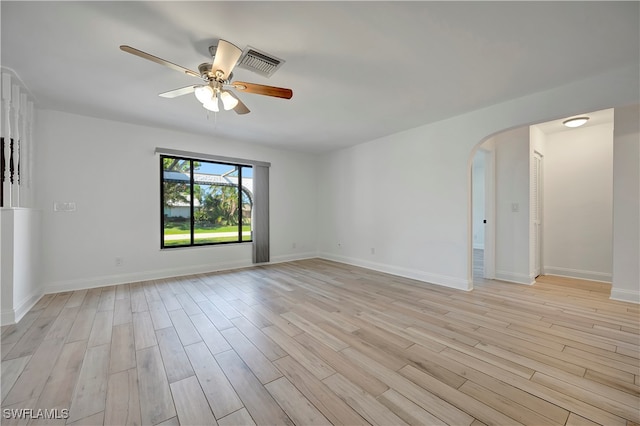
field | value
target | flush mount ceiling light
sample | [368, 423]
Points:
[575, 122]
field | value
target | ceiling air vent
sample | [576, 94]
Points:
[259, 62]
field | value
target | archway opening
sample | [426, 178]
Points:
[551, 207]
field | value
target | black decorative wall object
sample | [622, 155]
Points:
[11, 170]
[19, 158]
[2, 172]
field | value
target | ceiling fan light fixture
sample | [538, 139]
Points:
[217, 76]
[575, 122]
[228, 100]
[204, 94]
[212, 104]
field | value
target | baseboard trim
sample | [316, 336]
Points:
[7, 317]
[107, 280]
[632, 296]
[578, 273]
[28, 303]
[514, 277]
[441, 280]
[293, 257]
[14, 315]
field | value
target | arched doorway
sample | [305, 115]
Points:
[575, 199]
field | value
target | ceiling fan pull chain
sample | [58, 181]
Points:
[215, 117]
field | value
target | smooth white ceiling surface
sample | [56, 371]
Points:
[358, 70]
[596, 118]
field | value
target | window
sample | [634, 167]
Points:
[205, 202]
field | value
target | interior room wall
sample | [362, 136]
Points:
[403, 195]
[109, 170]
[537, 140]
[578, 173]
[20, 255]
[512, 206]
[626, 204]
[6, 291]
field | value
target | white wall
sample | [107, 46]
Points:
[626, 204]
[110, 171]
[578, 172]
[7, 315]
[537, 140]
[400, 195]
[512, 206]
[393, 195]
[404, 194]
[20, 253]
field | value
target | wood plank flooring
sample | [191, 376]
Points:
[317, 342]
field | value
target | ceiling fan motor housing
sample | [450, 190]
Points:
[207, 73]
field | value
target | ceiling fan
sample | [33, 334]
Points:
[217, 78]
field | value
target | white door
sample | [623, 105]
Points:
[536, 212]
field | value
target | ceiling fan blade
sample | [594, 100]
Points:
[259, 89]
[241, 108]
[157, 60]
[178, 92]
[226, 57]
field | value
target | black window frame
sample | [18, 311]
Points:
[192, 242]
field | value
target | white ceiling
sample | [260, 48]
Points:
[596, 118]
[358, 70]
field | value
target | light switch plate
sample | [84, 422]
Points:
[64, 207]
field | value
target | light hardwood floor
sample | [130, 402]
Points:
[316, 342]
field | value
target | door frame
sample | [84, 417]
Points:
[489, 213]
[539, 251]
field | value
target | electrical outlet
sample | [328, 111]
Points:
[118, 261]
[294, 245]
[373, 250]
[515, 207]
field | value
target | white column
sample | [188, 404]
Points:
[6, 99]
[15, 101]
